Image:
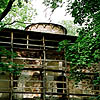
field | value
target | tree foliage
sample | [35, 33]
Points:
[85, 52]
[19, 13]
[85, 11]
[7, 6]
[70, 26]
[3, 5]
[53, 3]
[19, 16]
[6, 64]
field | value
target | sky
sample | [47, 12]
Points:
[44, 13]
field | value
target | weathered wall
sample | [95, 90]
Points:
[4, 84]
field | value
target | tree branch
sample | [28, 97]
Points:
[13, 23]
[16, 22]
[5, 12]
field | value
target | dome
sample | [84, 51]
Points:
[47, 28]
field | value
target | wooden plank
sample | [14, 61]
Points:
[28, 44]
[27, 41]
[5, 37]
[83, 94]
[5, 42]
[47, 60]
[11, 74]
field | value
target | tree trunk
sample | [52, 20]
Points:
[7, 9]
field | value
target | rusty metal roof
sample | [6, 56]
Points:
[47, 28]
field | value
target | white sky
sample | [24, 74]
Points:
[44, 14]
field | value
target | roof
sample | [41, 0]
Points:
[40, 34]
[57, 25]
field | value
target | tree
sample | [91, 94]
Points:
[17, 17]
[54, 3]
[87, 13]
[85, 52]
[17, 12]
[5, 7]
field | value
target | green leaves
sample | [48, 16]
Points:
[20, 14]
[83, 10]
[63, 45]
[83, 53]
[97, 81]
[19, 3]
[6, 64]
[3, 4]
[53, 3]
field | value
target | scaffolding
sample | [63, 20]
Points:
[44, 76]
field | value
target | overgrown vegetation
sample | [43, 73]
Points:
[86, 50]
[6, 62]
